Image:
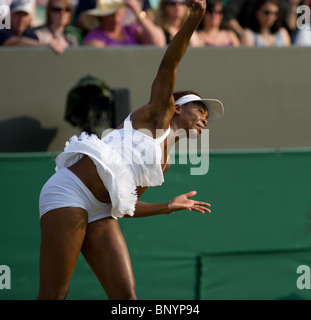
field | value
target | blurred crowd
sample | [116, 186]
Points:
[60, 24]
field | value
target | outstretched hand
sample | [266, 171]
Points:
[183, 202]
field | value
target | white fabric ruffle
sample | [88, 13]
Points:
[142, 153]
[116, 176]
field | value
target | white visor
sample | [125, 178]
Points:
[214, 107]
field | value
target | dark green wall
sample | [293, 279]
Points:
[250, 247]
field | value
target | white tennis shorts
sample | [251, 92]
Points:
[65, 189]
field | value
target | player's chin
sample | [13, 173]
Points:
[194, 133]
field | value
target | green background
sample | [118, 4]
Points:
[249, 247]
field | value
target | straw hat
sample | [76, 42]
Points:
[103, 8]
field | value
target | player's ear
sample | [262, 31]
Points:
[178, 109]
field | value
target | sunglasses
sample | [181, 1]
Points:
[268, 13]
[175, 3]
[57, 9]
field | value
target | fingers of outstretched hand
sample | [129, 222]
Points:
[200, 209]
[204, 209]
[194, 205]
[200, 203]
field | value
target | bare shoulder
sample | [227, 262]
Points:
[247, 37]
[285, 37]
[142, 116]
[147, 117]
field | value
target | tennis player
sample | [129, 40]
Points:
[98, 181]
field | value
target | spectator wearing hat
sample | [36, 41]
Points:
[84, 5]
[19, 33]
[111, 30]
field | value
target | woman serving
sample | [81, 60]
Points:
[99, 180]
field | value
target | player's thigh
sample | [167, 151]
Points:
[62, 234]
[105, 250]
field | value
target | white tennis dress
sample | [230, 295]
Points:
[125, 158]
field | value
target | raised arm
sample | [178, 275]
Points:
[160, 109]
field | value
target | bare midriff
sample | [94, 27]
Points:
[86, 171]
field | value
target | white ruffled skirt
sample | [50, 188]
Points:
[114, 173]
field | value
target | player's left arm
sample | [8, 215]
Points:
[181, 202]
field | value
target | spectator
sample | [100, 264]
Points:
[111, 31]
[211, 32]
[40, 16]
[170, 16]
[237, 11]
[129, 17]
[57, 33]
[264, 26]
[19, 34]
[33, 13]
